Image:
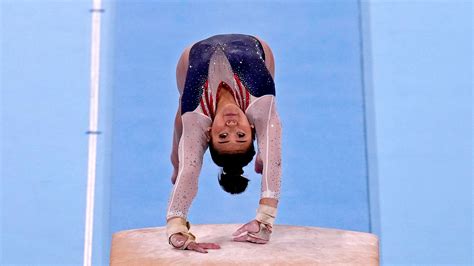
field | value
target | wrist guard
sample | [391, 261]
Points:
[179, 225]
[266, 214]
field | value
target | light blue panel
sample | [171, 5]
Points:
[319, 96]
[45, 98]
[422, 80]
[102, 235]
[369, 110]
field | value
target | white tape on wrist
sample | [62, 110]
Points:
[266, 214]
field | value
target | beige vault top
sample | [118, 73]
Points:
[288, 245]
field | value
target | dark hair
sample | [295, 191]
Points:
[230, 177]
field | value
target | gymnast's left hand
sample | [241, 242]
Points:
[254, 232]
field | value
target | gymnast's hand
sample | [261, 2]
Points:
[254, 232]
[178, 241]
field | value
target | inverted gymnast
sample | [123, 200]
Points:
[227, 96]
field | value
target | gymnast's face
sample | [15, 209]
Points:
[231, 131]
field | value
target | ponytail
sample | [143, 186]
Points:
[232, 180]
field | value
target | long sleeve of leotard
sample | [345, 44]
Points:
[191, 147]
[263, 114]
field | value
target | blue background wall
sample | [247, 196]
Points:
[416, 67]
[421, 67]
[44, 117]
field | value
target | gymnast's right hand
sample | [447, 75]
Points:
[178, 240]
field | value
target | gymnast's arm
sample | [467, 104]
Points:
[264, 115]
[191, 148]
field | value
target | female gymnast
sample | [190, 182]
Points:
[227, 96]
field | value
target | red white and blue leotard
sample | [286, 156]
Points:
[239, 61]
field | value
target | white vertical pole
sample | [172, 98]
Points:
[92, 132]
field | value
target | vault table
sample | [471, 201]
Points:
[295, 245]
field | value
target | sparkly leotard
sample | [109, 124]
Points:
[239, 61]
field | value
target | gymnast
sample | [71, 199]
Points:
[227, 99]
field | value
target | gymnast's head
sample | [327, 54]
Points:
[231, 146]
